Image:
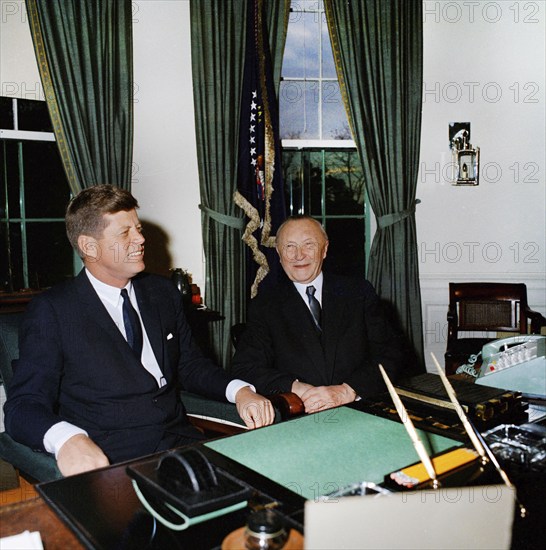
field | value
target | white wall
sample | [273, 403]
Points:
[19, 75]
[165, 175]
[484, 64]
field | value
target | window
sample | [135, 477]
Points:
[34, 251]
[322, 172]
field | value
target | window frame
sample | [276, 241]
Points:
[20, 137]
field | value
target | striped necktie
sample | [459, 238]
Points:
[313, 305]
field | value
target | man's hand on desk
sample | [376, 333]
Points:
[80, 454]
[320, 398]
[254, 409]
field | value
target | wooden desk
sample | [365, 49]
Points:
[16, 301]
[36, 515]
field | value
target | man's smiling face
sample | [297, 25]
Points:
[117, 255]
[302, 247]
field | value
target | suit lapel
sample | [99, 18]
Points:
[151, 317]
[333, 307]
[94, 310]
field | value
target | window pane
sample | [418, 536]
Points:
[292, 178]
[11, 261]
[49, 254]
[302, 55]
[299, 106]
[346, 249]
[334, 118]
[344, 183]
[33, 115]
[9, 170]
[6, 113]
[314, 178]
[46, 188]
[328, 65]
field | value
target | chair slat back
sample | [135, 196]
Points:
[488, 315]
[489, 306]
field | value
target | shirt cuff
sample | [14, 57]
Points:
[234, 386]
[59, 434]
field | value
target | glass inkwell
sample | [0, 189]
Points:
[265, 530]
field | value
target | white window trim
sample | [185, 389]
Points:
[318, 144]
[26, 135]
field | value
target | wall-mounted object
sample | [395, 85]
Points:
[465, 158]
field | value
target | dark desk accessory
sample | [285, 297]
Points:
[184, 485]
[181, 280]
[485, 406]
[361, 489]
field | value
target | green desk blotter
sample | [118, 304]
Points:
[323, 452]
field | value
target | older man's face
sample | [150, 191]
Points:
[302, 248]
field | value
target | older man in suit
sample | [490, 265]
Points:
[102, 357]
[316, 334]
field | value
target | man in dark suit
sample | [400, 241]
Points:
[102, 357]
[318, 335]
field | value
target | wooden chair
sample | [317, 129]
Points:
[484, 308]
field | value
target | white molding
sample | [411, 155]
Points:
[318, 144]
[485, 277]
[25, 135]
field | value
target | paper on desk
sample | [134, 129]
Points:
[26, 540]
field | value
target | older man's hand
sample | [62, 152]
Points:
[253, 408]
[320, 398]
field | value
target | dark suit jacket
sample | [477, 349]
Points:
[281, 344]
[75, 365]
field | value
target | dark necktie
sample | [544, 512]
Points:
[313, 305]
[133, 328]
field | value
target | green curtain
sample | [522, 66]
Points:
[378, 47]
[84, 53]
[217, 44]
[218, 39]
[276, 14]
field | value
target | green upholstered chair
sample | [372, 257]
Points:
[34, 465]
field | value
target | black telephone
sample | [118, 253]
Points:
[183, 484]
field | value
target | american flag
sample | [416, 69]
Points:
[260, 189]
